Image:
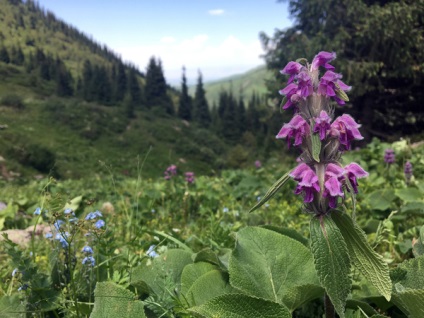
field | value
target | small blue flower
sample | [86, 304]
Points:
[61, 237]
[225, 210]
[151, 251]
[14, 272]
[258, 199]
[37, 211]
[69, 211]
[153, 211]
[89, 259]
[99, 224]
[73, 220]
[93, 215]
[266, 205]
[87, 249]
[23, 287]
[49, 235]
[58, 224]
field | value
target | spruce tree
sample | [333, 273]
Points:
[201, 108]
[184, 107]
[4, 55]
[121, 83]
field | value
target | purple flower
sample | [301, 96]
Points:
[346, 129]
[354, 171]
[389, 156]
[327, 86]
[170, 172]
[89, 260]
[334, 176]
[37, 211]
[408, 171]
[304, 85]
[99, 224]
[189, 177]
[322, 59]
[289, 91]
[322, 124]
[258, 164]
[87, 249]
[296, 128]
[307, 181]
[292, 69]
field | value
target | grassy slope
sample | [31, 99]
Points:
[247, 83]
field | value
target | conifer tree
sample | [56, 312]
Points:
[4, 55]
[134, 88]
[87, 79]
[201, 108]
[121, 82]
[184, 108]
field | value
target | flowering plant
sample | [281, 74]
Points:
[337, 242]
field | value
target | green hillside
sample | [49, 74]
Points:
[245, 85]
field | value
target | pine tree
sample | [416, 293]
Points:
[121, 83]
[184, 107]
[4, 55]
[134, 88]
[63, 79]
[155, 90]
[87, 80]
[229, 119]
[201, 108]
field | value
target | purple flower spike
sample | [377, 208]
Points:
[308, 181]
[322, 59]
[304, 85]
[333, 184]
[292, 68]
[297, 128]
[408, 170]
[389, 156]
[354, 171]
[346, 129]
[322, 124]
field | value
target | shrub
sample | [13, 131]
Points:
[13, 100]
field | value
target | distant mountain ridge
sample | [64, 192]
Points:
[244, 85]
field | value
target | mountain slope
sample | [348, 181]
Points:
[245, 85]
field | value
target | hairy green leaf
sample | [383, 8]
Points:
[363, 257]
[331, 260]
[192, 272]
[272, 191]
[240, 306]
[112, 300]
[12, 307]
[269, 265]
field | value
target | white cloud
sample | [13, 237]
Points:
[216, 60]
[167, 39]
[216, 12]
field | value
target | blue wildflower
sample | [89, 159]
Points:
[61, 237]
[58, 224]
[87, 249]
[49, 235]
[99, 224]
[151, 251]
[93, 215]
[37, 211]
[14, 272]
[225, 210]
[258, 199]
[73, 220]
[69, 211]
[23, 287]
[89, 259]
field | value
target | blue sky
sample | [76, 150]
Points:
[220, 38]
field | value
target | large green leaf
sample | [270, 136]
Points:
[192, 272]
[112, 300]
[269, 265]
[418, 244]
[212, 284]
[12, 307]
[331, 260]
[408, 291]
[363, 257]
[409, 195]
[381, 199]
[272, 191]
[240, 306]
[296, 296]
[163, 274]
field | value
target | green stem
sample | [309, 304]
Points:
[329, 307]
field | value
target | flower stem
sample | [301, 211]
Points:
[329, 307]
